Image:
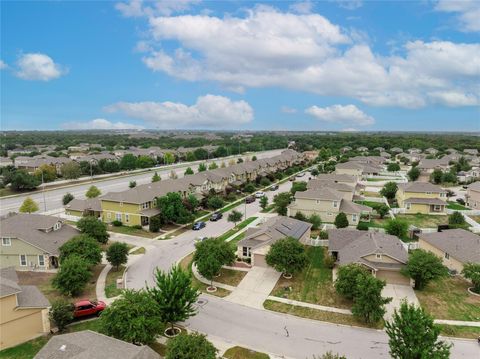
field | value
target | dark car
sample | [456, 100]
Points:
[198, 225]
[85, 308]
[216, 216]
[250, 199]
[274, 187]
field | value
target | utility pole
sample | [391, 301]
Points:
[91, 171]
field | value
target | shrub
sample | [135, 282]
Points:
[61, 313]
[117, 254]
[264, 182]
[137, 226]
[456, 220]
[397, 227]
[315, 220]
[155, 224]
[190, 346]
[300, 216]
[67, 198]
[472, 271]
[72, 276]
[341, 220]
[323, 235]
[329, 261]
[117, 223]
[249, 188]
[362, 226]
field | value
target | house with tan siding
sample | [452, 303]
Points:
[473, 195]
[23, 311]
[421, 197]
[455, 247]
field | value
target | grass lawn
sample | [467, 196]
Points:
[268, 209]
[378, 179]
[456, 206]
[176, 233]
[237, 239]
[44, 282]
[132, 231]
[140, 250]
[7, 192]
[313, 284]
[186, 263]
[230, 276]
[475, 218]
[159, 348]
[244, 353]
[423, 220]
[374, 205]
[202, 213]
[372, 194]
[460, 332]
[111, 289]
[316, 314]
[237, 228]
[447, 298]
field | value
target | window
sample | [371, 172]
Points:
[335, 204]
[442, 194]
[23, 260]
[354, 217]
[57, 226]
[408, 206]
[378, 256]
[447, 256]
[246, 252]
[428, 192]
[145, 205]
[41, 260]
[121, 204]
[118, 217]
[109, 215]
[6, 242]
[127, 218]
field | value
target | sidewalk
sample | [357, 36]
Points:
[310, 305]
[457, 322]
[207, 282]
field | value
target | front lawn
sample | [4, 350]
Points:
[111, 289]
[140, 250]
[230, 276]
[313, 284]
[44, 282]
[475, 218]
[447, 298]
[372, 194]
[424, 220]
[456, 206]
[373, 205]
[459, 331]
[244, 353]
[132, 231]
[237, 228]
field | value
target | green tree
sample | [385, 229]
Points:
[173, 209]
[472, 271]
[315, 172]
[92, 227]
[456, 220]
[155, 224]
[281, 202]
[117, 254]
[93, 192]
[449, 177]
[393, 167]
[389, 190]
[249, 188]
[145, 162]
[213, 166]
[298, 186]
[341, 220]
[397, 227]
[201, 154]
[174, 295]
[264, 182]
[133, 318]
[73, 275]
[413, 335]
[215, 202]
[28, 206]
[49, 173]
[202, 167]
[423, 267]
[67, 198]
[347, 279]
[188, 171]
[369, 305]
[82, 246]
[254, 158]
[169, 158]
[71, 170]
[132, 184]
[192, 203]
[190, 346]
[22, 181]
[235, 216]
[315, 220]
[264, 202]
[287, 256]
[382, 210]
[61, 313]
[330, 355]
[190, 157]
[300, 216]
[156, 177]
[413, 174]
[436, 176]
[128, 162]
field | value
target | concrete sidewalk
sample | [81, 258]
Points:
[310, 305]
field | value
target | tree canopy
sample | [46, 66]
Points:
[423, 267]
[92, 227]
[28, 206]
[287, 255]
[82, 246]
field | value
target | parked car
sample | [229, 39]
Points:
[200, 239]
[250, 199]
[461, 201]
[259, 194]
[274, 187]
[216, 216]
[85, 308]
[301, 174]
[198, 225]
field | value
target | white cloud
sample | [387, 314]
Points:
[286, 109]
[36, 66]
[208, 111]
[341, 114]
[302, 7]
[349, 129]
[454, 98]
[268, 48]
[3, 65]
[468, 13]
[350, 4]
[137, 8]
[100, 124]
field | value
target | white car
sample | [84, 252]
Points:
[301, 174]
[259, 194]
[200, 239]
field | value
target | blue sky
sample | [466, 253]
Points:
[330, 65]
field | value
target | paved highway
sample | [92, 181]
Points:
[53, 197]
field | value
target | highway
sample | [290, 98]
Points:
[52, 198]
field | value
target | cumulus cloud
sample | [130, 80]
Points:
[302, 7]
[349, 129]
[3, 65]
[306, 52]
[350, 4]
[208, 111]
[36, 66]
[468, 13]
[137, 8]
[100, 124]
[348, 114]
[286, 109]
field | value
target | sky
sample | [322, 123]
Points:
[346, 65]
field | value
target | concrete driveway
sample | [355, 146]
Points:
[255, 287]
[398, 293]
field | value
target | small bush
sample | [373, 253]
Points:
[362, 226]
[117, 223]
[323, 235]
[137, 226]
[329, 261]
[155, 224]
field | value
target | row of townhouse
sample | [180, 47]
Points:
[137, 205]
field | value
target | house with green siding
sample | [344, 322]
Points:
[32, 241]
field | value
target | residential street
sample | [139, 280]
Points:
[53, 197]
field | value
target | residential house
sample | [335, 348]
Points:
[385, 155]
[84, 207]
[345, 149]
[5, 161]
[373, 160]
[383, 254]
[451, 150]
[396, 150]
[471, 151]
[431, 151]
[473, 195]
[427, 166]
[331, 177]
[31, 164]
[421, 197]
[23, 311]
[470, 175]
[310, 155]
[90, 344]
[380, 149]
[258, 240]
[32, 241]
[455, 247]
[362, 149]
[414, 150]
[358, 169]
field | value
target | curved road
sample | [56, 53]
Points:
[262, 330]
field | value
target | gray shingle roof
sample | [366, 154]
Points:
[8, 282]
[420, 187]
[459, 243]
[351, 207]
[342, 187]
[30, 228]
[326, 194]
[91, 345]
[335, 178]
[475, 186]
[28, 296]
[433, 201]
[91, 204]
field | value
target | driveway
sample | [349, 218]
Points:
[398, 293]
[255, 287]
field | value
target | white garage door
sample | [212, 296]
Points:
[393, 277]
[259, 260]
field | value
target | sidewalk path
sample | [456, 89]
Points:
[457, 322]
[310, 305]
[206, 281]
